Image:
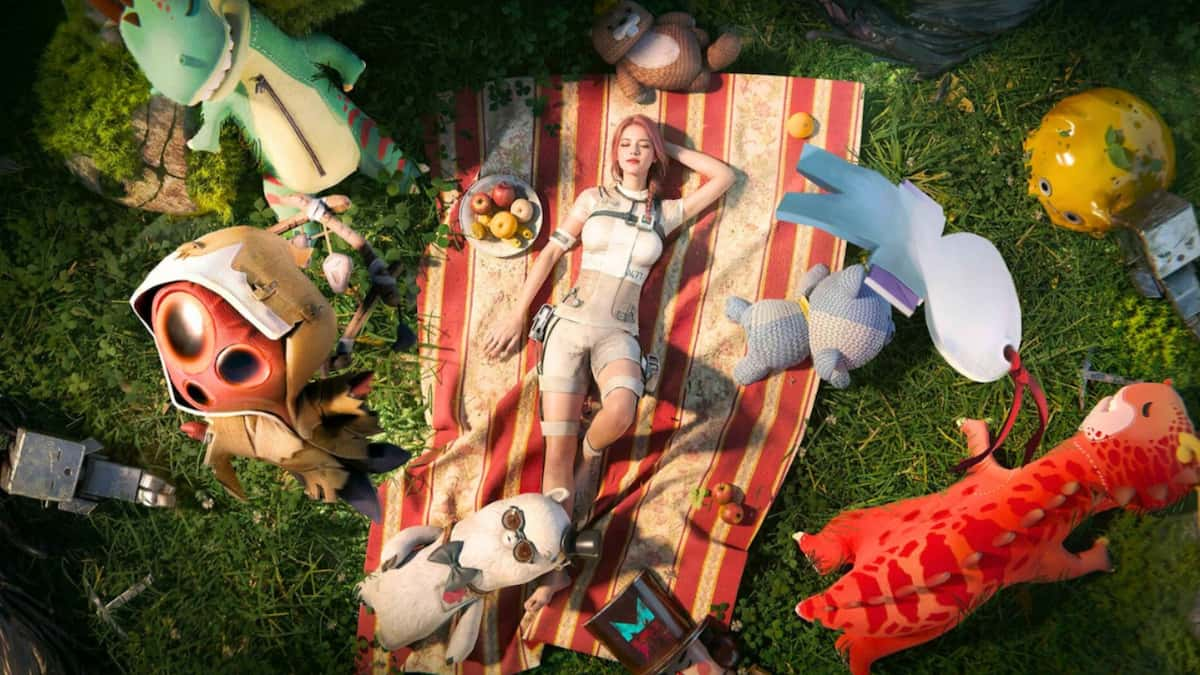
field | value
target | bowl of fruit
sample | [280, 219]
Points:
[501, 215]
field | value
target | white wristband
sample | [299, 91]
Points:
[562, 239]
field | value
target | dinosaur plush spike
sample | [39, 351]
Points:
[132, 18]
[109, 8]
[922, 564]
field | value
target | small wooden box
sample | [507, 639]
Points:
[649, 632]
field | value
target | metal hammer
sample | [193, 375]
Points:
[1088, 375]
[104, 611]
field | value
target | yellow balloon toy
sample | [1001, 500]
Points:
[1096, 153]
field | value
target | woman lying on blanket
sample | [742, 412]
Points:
[622, 229]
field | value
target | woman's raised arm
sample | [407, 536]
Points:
[719, 174]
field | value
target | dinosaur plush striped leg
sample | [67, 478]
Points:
[379, 155]
[833, 546]
[1059, 564]
[864, 650]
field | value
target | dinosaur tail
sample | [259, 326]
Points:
[815, 609]
[379, 154]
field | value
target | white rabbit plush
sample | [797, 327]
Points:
[430, 574]
[972, 309]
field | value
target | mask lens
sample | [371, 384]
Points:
[513, 519]
[240, 365]
[185, 326]
[524, 551]
[196, 395]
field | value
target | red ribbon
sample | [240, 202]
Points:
[1021, 379]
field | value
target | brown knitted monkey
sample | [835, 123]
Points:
[669, 53]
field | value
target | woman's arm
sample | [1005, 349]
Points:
[506, 335]
[719, 174]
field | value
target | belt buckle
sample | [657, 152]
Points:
[540, 322]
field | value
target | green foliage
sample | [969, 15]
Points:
[297, 17]
[1150, 335]
[213, 177]
[87, 90]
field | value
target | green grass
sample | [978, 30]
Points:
[267, 585]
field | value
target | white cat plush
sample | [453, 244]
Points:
[430, 574]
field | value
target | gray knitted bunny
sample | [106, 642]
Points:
[845, 326]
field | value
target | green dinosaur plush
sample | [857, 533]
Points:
[227, 57]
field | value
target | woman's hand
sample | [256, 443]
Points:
[505, 336]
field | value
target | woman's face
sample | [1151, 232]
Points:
[635, 152]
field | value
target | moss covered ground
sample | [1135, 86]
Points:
[267, 586]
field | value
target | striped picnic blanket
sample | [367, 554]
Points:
[697, 429]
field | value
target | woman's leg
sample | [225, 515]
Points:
[560, 427]
[560, 424]
[620, 388]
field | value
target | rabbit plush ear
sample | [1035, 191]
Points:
[972, 309]
[559, 494]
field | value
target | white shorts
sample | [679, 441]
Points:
[573, 349]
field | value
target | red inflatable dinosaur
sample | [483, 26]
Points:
[922, 564]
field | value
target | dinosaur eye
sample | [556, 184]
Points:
[1146, 409]
[1044, 186]
[192, 8]
[1073, 217]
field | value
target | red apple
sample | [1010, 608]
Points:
[726, 493]
[733, 513]
[481, 203]
[503, 194]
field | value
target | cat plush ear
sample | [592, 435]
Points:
[558, 494]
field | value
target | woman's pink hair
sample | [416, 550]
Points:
[658, 170]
